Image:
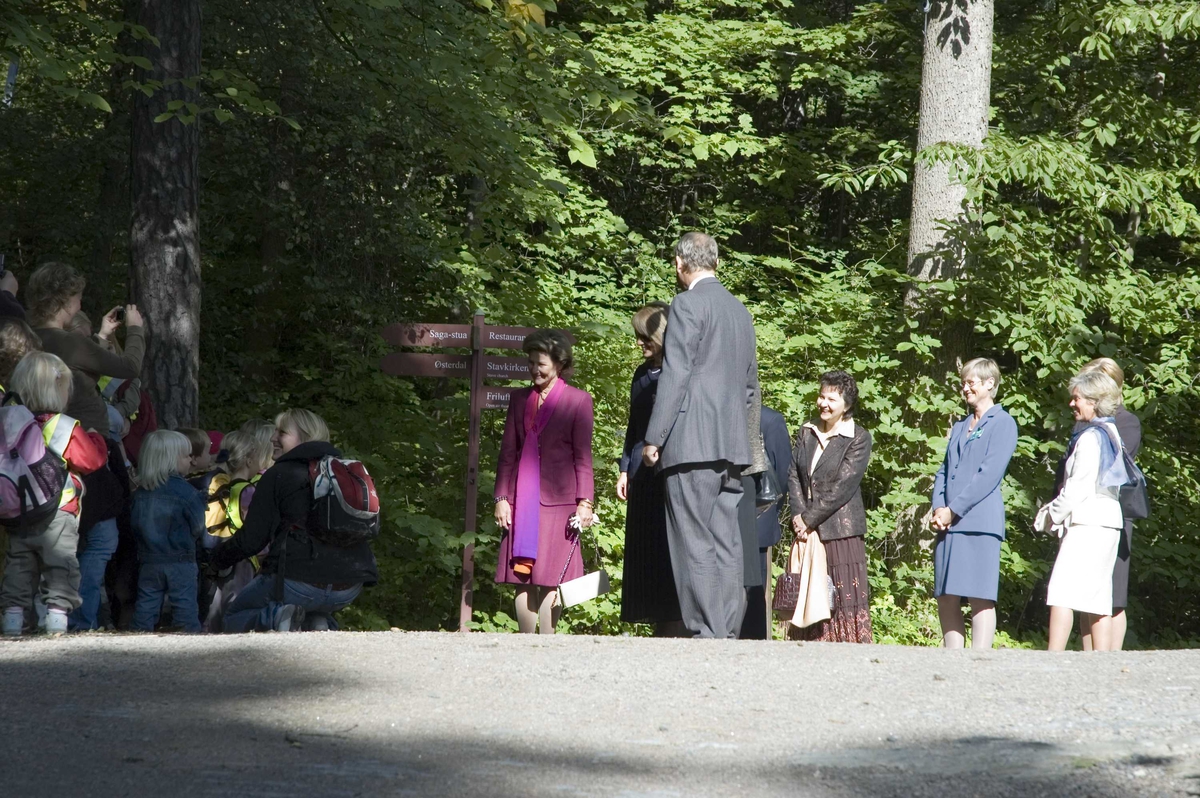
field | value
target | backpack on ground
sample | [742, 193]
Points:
[33, 472]
[345, 506]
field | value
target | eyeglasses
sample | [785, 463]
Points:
[972, 383]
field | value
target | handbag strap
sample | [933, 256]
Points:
[571, 553]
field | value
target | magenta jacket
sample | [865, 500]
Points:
[566, 474]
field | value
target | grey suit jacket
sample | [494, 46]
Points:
[709, 381]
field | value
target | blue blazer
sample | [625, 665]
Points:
[969, 480]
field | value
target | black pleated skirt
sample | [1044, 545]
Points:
[648, 582]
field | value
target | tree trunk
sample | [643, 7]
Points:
[956, 78]
[164, 231]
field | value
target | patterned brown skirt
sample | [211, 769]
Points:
[850, 620]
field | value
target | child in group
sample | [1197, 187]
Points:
[167, 517]
[46, 551]
[249, 456]
[205, 446]
[17, 339]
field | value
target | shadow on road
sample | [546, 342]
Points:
[242, 721]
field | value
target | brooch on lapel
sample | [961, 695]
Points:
[978, 432]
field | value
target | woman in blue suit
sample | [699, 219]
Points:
[968, 509]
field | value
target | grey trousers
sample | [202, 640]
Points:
[706, 546]
[49, 554]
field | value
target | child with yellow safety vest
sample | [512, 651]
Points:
[229, 500]
[41, 545]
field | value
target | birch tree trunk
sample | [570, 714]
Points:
[956, 79]
[164, 231]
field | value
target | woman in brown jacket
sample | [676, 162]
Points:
[828, 463]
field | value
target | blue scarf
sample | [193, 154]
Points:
[1112, 464]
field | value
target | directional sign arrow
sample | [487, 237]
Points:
[419, 364]
[427, 334]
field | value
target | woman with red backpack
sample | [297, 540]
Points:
[319, 561]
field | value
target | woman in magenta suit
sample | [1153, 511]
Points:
[543, 478]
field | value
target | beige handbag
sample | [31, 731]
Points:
[812, 601]
[586, 587]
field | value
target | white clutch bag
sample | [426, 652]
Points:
[585, 588]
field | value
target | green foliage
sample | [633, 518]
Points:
[417, 161]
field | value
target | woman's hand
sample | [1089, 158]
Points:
[133, 316]
[504, 515]
[583, 511]
[800, 529]
[109, 324]
[623, 486]
[943, 517]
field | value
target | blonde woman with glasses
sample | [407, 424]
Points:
[1087, 516]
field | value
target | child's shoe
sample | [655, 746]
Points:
[14, 621]
[56, 622]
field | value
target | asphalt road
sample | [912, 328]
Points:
[344, 714]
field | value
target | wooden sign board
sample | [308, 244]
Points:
[505, 337]
[505, 368]
[497, 398]
[510, 337]
[414, 364]
[428, 334]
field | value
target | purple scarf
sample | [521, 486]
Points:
[529, 473]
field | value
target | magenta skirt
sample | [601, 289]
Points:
[554, 544]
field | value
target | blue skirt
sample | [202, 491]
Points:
[967, 564]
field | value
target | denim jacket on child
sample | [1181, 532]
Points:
[167, 522]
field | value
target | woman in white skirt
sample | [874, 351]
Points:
[1086, 514]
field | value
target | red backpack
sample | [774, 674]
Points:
[345, 506]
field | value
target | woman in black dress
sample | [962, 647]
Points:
[648, 583]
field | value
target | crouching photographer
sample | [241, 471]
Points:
[317, 513]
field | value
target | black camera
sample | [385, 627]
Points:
[120, 314]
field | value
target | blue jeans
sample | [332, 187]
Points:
[101, 545]
[177, 581]
[254, 610]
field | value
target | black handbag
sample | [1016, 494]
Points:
[1133, 495]
[1135, 499]
[767, 491]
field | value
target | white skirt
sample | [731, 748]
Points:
[1082, 576]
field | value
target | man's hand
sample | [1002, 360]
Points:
[9, 283]
[623, 486]
[650, 455]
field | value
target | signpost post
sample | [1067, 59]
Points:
[477, 367]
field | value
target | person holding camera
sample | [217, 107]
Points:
[53, 294]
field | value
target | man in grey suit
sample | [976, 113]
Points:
[698, 437]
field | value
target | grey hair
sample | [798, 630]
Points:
[698, 252]
[1098, 387]
[159, 457]
[983, 369]
[43, 382]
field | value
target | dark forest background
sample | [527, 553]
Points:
[363, 162]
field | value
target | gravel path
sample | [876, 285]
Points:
[344, 714]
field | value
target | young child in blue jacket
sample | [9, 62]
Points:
[167, 517]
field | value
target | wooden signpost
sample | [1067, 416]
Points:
[478, 367]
